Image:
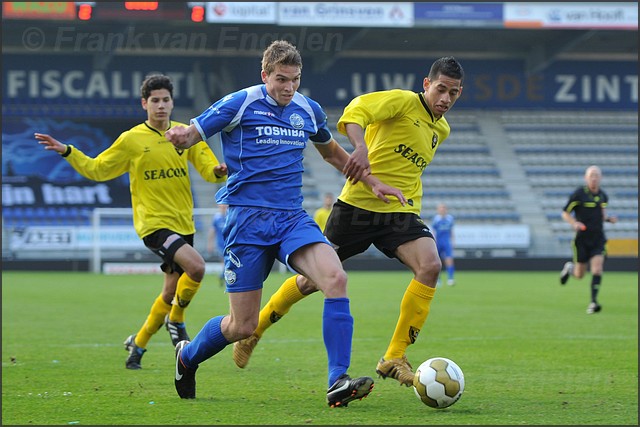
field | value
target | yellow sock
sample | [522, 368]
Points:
[279, 304]
[186, 290]
[154, 321]
[414, 310]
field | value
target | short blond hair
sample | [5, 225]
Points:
[280, 52]
[593, 169]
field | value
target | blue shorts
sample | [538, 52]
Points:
[256, 237]
[445, 249]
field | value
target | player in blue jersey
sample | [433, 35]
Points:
[396, 133]
[264, 130]
[215, 238]
[442, 226]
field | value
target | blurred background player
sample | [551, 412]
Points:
[442, 226]
[215, 238]
[162, 204]
[586, 212]
[403, 131]
[321, 214]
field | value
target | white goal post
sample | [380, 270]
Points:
[115, 238]
[117, 249]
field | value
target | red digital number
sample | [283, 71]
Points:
[141, 5]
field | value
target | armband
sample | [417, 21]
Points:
[67, 151]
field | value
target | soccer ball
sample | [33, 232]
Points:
[439, 382]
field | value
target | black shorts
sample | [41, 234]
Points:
[165, 244]
[352, 230]
[587, 246]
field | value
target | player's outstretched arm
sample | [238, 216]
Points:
[50, 143]
[333, 153]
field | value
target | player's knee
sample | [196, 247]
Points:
[335, 285]
[429, 266]
[340, 280]
[427, 269]
[196, 270]
[167, 295]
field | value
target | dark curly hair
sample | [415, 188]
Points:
[154, 82]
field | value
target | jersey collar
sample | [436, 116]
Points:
[154, 129]
[426, 107]
[268, 97]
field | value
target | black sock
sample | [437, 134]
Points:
[595, 287]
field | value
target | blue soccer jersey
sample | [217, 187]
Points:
[262, 145]
[442, 226]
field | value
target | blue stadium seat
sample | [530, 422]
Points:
[73, 215]
[9, 216]
[41, 217]
[29, 215]
[84, 216]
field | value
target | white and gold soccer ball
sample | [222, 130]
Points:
[439, 382]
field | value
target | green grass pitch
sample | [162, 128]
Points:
[530, 354]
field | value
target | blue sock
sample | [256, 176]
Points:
[450, 271]
[337, 331]
[206, 344]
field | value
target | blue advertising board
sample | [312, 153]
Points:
[466, 14]
[33, 176]
[66, 96]
[60, 82]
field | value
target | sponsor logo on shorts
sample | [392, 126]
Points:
[230, 277]
[234, 258]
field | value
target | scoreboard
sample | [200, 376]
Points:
[105, 11]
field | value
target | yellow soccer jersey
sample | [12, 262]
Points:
[158, 173]
[402, 137]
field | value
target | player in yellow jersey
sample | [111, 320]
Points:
[162, 204]
[321, 214]
[403, 131]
